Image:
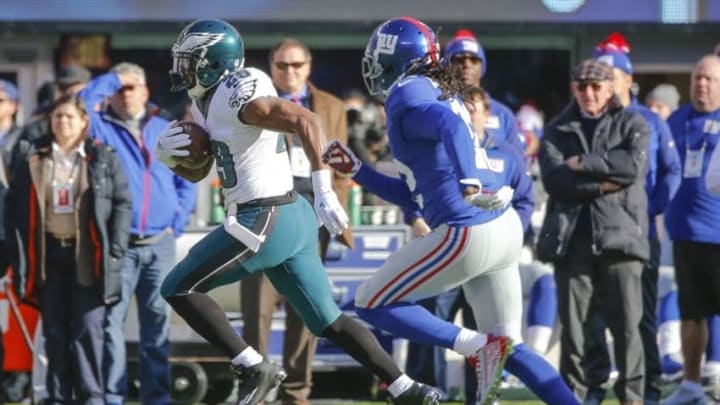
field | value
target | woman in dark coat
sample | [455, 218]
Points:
[67, 219]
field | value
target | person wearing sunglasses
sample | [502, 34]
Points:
[162, 201]
[465, 54]
[661, 184]
[290, 67]
[593, 161]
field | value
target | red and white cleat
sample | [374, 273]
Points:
[489, 362]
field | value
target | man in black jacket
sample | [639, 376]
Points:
[593, 163]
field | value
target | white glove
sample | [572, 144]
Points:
[494, 201]
[170, 140]
[341, 158]
[327, 207]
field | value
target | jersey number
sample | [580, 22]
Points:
[224, 163]
[407, 175]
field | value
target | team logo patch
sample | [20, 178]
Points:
[607, 59]
[386, 43]
[470, 46]
[493, 122]
[711, 127]
[197, 41]
[496, 165]
[244, 91]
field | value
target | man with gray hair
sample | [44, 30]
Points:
[162, 202]
[593, 160]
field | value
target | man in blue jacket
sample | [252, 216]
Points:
[692, 221]
[661, 184]
[162, 202]
[464, 52]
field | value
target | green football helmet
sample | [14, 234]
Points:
[206, 51]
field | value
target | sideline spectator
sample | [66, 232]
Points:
[663, 100]
[692, 219]
[593, 164]
[162, 202]
[70, 79]
[9, 129]
[45, 96]
[70, 203]
[4, 262]
[661, 184]
[465, 53]
[531, 121]
[361, 118]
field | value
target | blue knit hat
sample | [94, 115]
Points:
[616, 59]
[10, 89]
[465, 42]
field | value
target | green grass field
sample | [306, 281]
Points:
[329, 402]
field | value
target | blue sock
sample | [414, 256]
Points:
[539, 376]
[713, 348]
[413, 322]
[543, 302]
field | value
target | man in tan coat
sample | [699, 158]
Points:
[290, 65]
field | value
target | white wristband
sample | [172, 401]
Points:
[321, 180]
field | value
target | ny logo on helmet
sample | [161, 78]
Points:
[197, 41]
[386, 43]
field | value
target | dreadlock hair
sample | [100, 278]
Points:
[450, 82]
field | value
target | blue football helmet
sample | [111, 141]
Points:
[206, 50]
[398, 47]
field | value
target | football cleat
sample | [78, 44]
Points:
[256, 381]
[418, 394]
[489, 362]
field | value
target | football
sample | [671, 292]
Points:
[199, 148]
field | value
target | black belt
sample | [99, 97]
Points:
[61, 241]
[146, 239]
[286, 198]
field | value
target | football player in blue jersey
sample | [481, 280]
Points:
[446, 176]
[267, 228]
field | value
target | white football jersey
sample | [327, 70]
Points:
[251, 162]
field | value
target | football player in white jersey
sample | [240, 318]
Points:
[268, 229]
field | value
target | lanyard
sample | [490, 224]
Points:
[72, 172]
[687, 134]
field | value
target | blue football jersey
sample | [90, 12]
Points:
[433, 145]
[508, 162]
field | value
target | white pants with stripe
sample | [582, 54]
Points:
[483, 259]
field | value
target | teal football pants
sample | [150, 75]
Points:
[288, 256]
